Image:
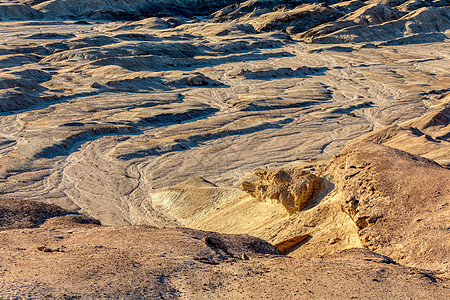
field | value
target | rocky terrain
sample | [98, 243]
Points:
[221, 148]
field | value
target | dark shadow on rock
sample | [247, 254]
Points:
[193, 141]
[326, 188]
[417, 39]
[259, 107]
[301, 72]
[350, 109]
[16, 214]
[334, 48]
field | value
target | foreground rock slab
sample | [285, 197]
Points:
[91, 262]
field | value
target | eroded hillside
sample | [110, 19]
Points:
[232, 117]
[98, 115]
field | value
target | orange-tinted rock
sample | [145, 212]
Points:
[293, 188]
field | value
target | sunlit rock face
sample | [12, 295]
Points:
[292, 188]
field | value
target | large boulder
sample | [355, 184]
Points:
[294, 188]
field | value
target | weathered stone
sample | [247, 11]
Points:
[295, 189]
[216, 243]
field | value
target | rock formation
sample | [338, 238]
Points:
[370, 187]
[383, 191]
[292, 188]
[306, 145]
